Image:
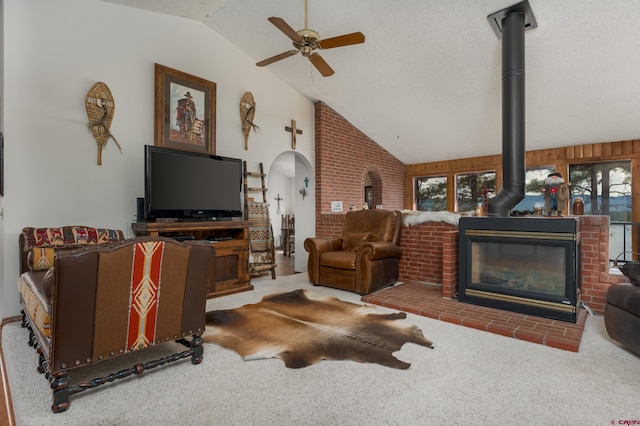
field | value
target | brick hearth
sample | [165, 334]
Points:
[426, 300]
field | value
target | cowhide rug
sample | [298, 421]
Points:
[303, 328]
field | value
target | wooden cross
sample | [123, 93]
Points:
[294, 132]
[278, 199]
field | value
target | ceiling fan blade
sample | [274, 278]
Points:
[285, 28]
[276, 58]
[343, 40]
[321, 65]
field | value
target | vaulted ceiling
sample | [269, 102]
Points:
[426, 84]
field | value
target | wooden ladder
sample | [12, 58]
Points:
[248, 189]
[263, 260]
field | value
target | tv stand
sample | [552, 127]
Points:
[197, 219]
[183, 237]
[230, 240]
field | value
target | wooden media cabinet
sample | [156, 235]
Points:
[231, 242]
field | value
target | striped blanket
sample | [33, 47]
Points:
[260, 232]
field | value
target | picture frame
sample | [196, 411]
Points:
[368, 196]
[185, 111]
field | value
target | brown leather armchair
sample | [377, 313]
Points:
[366, 256]
[622, 315]
[103, 301]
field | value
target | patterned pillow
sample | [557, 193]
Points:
[41, 259]
[69, 236]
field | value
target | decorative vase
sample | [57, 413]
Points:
[578, 206]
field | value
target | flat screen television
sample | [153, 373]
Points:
[191, 186]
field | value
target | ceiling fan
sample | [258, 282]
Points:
[306, 41]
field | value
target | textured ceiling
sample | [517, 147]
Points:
[426, 83]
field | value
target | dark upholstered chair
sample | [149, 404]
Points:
[622, 315]
[105, 301]
[364, 259]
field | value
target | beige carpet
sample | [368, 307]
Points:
[471, 377]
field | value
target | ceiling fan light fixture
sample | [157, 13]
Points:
[306, 41]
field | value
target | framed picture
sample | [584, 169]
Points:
[368, 196]
[185, 111]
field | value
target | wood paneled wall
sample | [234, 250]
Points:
[555, 158]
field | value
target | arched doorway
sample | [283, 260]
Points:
[289, 176]
[372, 187]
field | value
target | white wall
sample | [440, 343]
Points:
[54, 51]
[305, 211]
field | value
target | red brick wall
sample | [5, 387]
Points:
[422, 252]
[344, 156]
[329, 225]
[449, 264]
[595, 261]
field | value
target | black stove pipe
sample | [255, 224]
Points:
[513, 138]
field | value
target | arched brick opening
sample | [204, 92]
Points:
[376, 185]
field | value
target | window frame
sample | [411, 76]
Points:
[490, 194]
[416, 190]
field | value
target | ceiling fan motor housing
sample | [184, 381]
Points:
[310, 34]
[308, 43]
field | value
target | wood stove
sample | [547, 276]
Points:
[529, 265]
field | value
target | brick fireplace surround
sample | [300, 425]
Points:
[429, 269]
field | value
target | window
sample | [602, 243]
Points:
[431, 193]
[533, 183]
[605, 189]
[472, 188]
